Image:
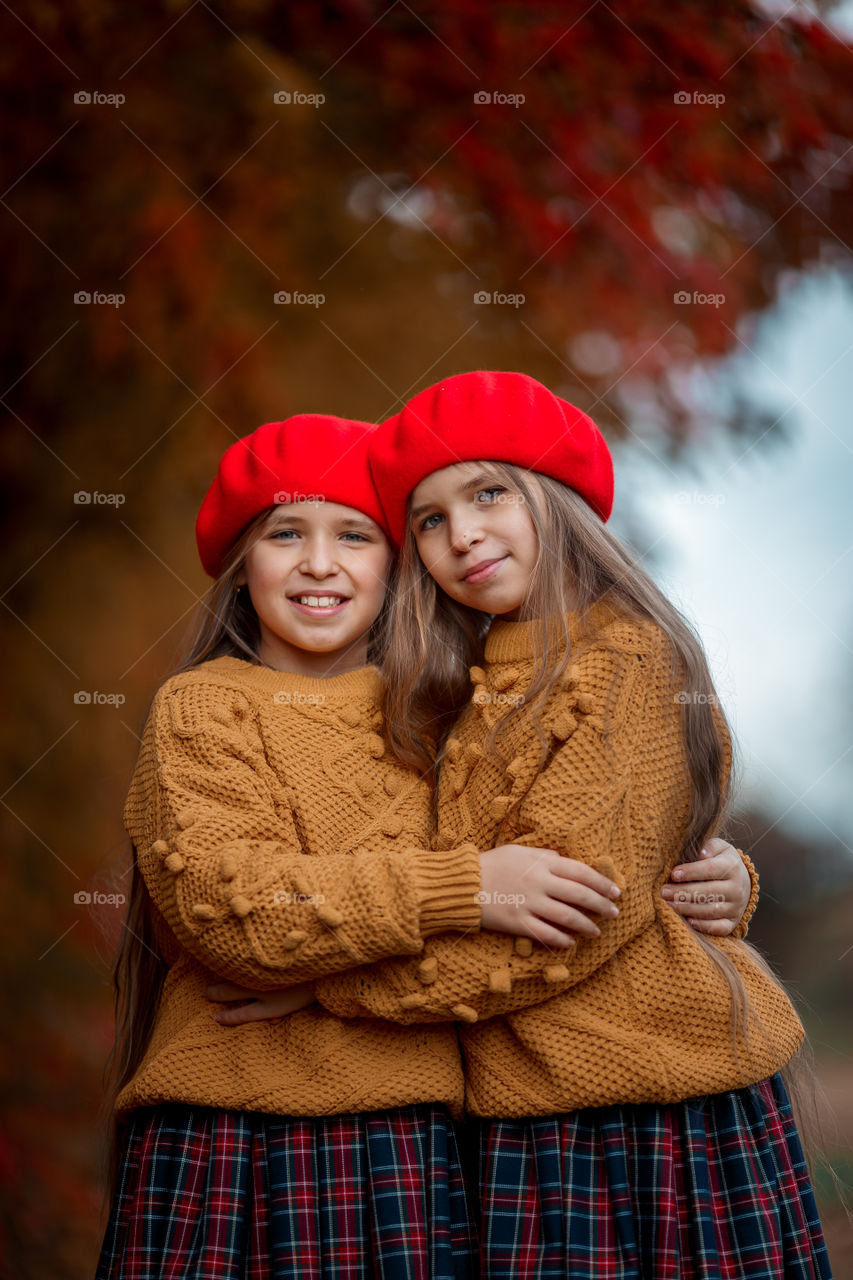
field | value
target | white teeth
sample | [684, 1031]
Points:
[320, 602]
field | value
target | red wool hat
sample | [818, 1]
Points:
[502, 417]
[311, 455]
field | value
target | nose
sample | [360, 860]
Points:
[319, 559]
[463, 536]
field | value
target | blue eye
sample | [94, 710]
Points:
[496, 489]
[284, 534]
[359, 537]
[428, 523]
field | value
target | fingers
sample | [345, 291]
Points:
[714, 928]
[717, 867]
[566, 918]
[543, 932]
[229, 991]
[578, 872]
[238, 1014]
[703, 904]
[571, 894]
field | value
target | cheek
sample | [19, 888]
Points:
[430, 548]
[432, 560]
[263, 568]
[372, 575]
[526, 536]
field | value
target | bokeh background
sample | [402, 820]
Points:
[218, 214]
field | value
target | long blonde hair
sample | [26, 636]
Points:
[431, 642]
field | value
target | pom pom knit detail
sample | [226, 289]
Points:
[267, 865]
[498, 808]
[555, 973]
[414, 1001]
[329, 916]
[500, 980]
[294, 939]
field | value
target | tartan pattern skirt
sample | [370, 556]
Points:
[713, 1188]
[220, 1195]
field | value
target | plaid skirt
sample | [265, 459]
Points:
[708, 1189]
[220, 1195]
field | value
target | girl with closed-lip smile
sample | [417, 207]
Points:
[637, 1124]
[477, 533]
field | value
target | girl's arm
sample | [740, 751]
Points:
[723, 885]
[605, 799]
[222, 858]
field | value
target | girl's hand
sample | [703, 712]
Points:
[538, 894]
[258, 1006]
[710, 894]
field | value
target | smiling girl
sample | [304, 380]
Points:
[636, 1124]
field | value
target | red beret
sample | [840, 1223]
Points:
[503, 417]
[311, 454]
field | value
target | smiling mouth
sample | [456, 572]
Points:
[484, 570]
[325, 603]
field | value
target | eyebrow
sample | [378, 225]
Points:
[349, 522]
[476, 482]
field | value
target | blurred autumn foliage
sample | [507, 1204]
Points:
[630, 184]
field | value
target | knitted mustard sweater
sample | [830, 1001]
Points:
[278, 843]
[643, 1014]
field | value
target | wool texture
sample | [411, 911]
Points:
[279, 842]
[640, 1013]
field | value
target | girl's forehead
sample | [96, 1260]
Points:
[458, 476]
[314, 510]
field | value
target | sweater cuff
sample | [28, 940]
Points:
[449, 882]
[741, 927]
